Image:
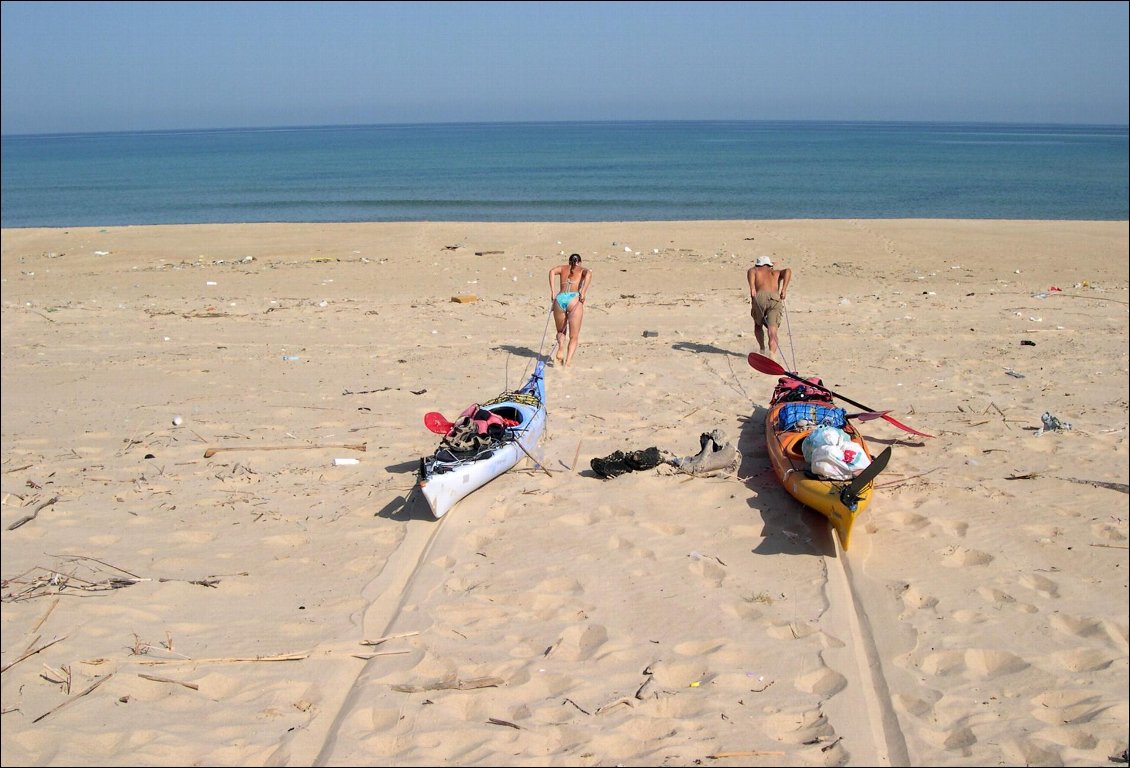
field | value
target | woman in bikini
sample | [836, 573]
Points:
[568, 295]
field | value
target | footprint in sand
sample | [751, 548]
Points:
[917, 706]
[1067, 736]
[981, 663]
[1072, 707]
[1027, 752]
[579, 519]
[954, 528]
[1107, 532]
[992, 663]
[666, 529]
[822, 682]
[195, 537]
[909, 520]
[1089, 628]
[708, 569]
[1083, 660]
[915, 599]
[805, 727]
[680, 674]
[581, 643]
[955, 739]
[965, 616]
[795, 630]
[744, 611]
[624, 545]
[1043, 586]
[960, 557]
[1000, 598]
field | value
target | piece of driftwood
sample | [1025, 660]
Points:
[34, 513]
[507, 723]
[743, 753]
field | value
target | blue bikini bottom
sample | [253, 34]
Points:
[564, 298]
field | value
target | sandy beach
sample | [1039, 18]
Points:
[269, 605]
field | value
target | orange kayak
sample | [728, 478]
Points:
[794, 412]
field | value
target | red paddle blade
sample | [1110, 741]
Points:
[436, 422]
[765, 364]
[903, 427]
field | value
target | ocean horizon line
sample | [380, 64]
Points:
[578, 123]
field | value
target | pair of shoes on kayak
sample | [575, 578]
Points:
[619, 463]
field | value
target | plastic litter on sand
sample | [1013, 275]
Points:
[1051, 424]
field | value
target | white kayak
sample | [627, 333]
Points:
[458, 468]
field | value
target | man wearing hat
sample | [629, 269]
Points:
[767, 288]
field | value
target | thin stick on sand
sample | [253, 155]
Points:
[386, 638]
[32, 652]
[537, 463]
[156, 679]
[231, 659]
[96, 683]
[33, 515]
[213, 451]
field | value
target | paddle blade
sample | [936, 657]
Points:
[864, 478]
[867, 415]
[435, 422]
[903, 427]
[765, 364]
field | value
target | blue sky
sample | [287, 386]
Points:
[90, 66]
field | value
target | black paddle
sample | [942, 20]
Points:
[869, 473]
[770, 366]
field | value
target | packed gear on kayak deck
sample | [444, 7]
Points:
[790, 390]
[477, 428]
[801, 416]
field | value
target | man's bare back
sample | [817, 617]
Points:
[768, 288]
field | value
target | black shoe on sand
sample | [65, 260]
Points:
[612, 465]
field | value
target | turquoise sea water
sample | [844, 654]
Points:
[567, 172]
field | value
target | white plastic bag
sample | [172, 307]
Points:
[838, 462]
[822, 436]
